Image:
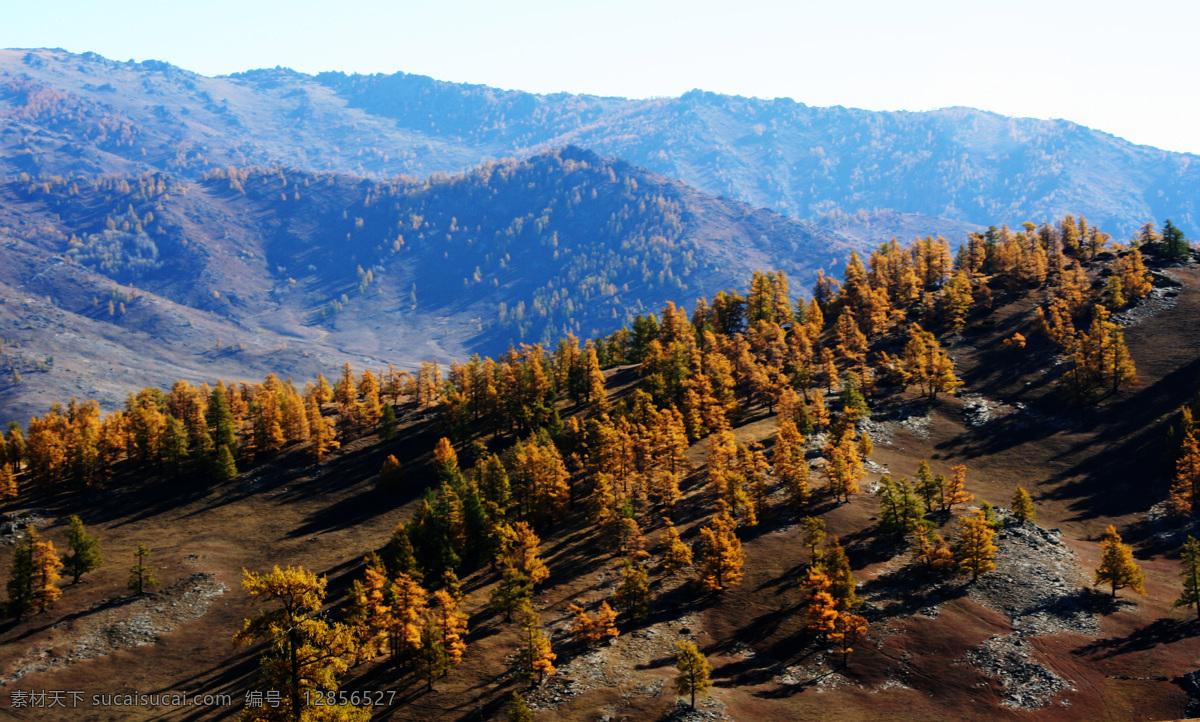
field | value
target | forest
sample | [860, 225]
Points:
[664, 447]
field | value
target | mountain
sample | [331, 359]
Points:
[83, 113]
[114, 282]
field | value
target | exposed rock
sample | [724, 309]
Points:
[115, 625]
[1027, 684]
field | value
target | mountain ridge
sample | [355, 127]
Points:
[963, 164]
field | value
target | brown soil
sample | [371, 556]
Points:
[1086, 469]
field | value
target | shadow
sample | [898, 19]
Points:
[1160, 631]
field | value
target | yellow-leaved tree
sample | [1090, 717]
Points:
[304, 652]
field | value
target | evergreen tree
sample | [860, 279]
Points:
[1117, 567]
[220, 418]
[140, 575]
[226, 469]
[387, 425]
[929, 487]
[694, 670]
[21, 576]
[1173, 243]
[398, 555]
[1190, 556]
[85, 555]
[837, 567]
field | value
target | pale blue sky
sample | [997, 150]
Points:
[1128, 68]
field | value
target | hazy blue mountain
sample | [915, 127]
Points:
[62, 112]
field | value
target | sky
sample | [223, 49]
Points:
[1127, 68]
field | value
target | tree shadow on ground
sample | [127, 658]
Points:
[1160, 631]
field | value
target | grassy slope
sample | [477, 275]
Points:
[1082, 479]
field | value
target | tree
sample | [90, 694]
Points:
[930, 550]
[85, 555]
[975, 549]
[452, 623]
[1117, 567]
[1190, 556]
[821, 608]
[8, 480]
[1173, 244]
[226, 468]
[693, 677]
[431, 662]
[320, 431]
[303, 651]
[954, 490]
[899, 509]
[1185, 489]
[22, 576]
[676, 554]
[632, 596]
[812, 536]
[391, 475]
[518, 711]
[523, 554]
[1022, 506]
[407, 599]
[534, 658]
[841, 578]
[790, 466]
[1191, 573]
[929, 487]
[925, 364]
[387, 425]
[398, 555]
[847, 630]
[370, 614]
[588, 629]
[721, 556]
[140, 575]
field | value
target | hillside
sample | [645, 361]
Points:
[126, 281]
[65, 113]
[692, 422]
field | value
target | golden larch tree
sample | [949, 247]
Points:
[1117, 567]
[976, 552]
[721, 556]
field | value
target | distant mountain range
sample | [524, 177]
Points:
[83, 113]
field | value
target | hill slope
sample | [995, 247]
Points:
[68, 113]
[1031, 638]
[212, 276]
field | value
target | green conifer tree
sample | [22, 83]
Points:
[83, 551]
